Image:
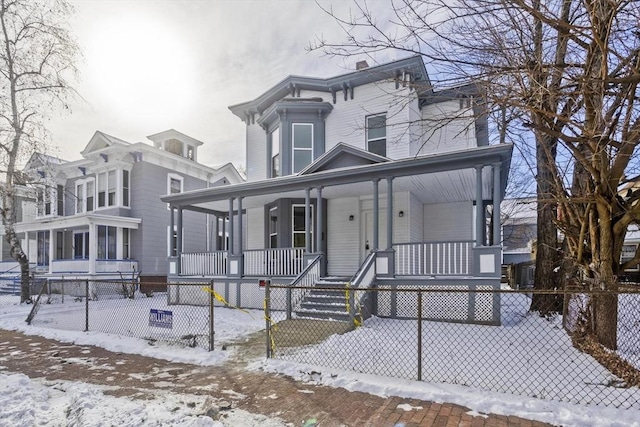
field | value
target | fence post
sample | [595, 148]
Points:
[211, 328]
[86, 305]
[289, 302]
[267, 315]
[419, 335]
[351, 302]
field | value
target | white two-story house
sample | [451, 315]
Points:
[371, 177]
[101, 217]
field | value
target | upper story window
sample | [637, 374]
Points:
[301, 145]
[50, 200]
[174, 184]
[275, 153]
[377, 134]
[125, 188]
[107, 189]
[191, 152]
[85, 196]
[60, 199]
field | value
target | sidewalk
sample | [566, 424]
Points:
[256, 392]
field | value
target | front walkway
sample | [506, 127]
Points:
[256, 392]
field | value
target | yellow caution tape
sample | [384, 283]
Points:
[357, 322]
[273, 327]
[224, 301]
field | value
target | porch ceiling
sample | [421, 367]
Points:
[448, 177]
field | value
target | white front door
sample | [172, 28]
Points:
[366, 243]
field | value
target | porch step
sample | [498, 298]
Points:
[327, 303]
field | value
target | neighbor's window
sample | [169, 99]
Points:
[126, 251]
[125, 188]
[60, 200]
[111, 180]
[377, 134]
[106, 242]
[102, 190]
[81, 245]
[302, 145]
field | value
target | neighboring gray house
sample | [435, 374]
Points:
[369, 176]
[101, 217]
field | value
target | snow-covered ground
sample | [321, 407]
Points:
[233, 324]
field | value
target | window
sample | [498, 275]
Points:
[90, 195]
[302, 145]
[102, 190]
[191, 152]
[59, 245]
[273, 227]
[85, 194]
[126, 251]
[43, 247]
[106, 242]
[44, 198]
[173, 146]
[298, 235]
[111, 180]
[275, 153]
[80, 198]
[125, 188]
[377, 134]
[81, 245]
[60, 200]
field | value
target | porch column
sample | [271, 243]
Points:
[319, 214]
[223, 239]
[231, 252]
[376, 219]
[307, 220]
[173, 219]
[497, 196]
[93, 248]
[389, 213]
[240, 232]
[216, 231]
[179, 234]
[52, 249]
[479, 208]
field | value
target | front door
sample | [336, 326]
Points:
[366, 241]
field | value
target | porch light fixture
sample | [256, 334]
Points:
[401, 214]
[351, 217]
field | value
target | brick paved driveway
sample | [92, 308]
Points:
[256, 392]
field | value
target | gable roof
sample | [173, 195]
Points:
[291, 84]
[341, 156]
[101, 140]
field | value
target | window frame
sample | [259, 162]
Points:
[275, 157]
[170, 177]
[126, 188]
[84, 248]
[109, 245]
[306, 149]
[369, 140]
[303, 231]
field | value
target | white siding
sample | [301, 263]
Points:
[343, 236]
[346, 123]
[416, 219]
[400, 225]
[448, 221]
[256, 153]
[255, 228]
[446, 127]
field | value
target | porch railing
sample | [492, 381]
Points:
[434, 258]
[274, 262]
[203, 263]
[363, 279]
[303, 283]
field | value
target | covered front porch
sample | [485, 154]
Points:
[340, 215]
[88, 246]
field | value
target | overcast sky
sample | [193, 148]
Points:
[150, 66]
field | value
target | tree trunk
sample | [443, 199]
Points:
[547, 234]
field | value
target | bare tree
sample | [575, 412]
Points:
[569, 71]
[37, 62]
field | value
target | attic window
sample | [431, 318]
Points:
[173, 146]
[191, 152]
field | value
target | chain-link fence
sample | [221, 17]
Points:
[10, 287]
[118, 307]
[429, 339]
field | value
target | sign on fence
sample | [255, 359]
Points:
[161, 318]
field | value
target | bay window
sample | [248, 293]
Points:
[302, 145]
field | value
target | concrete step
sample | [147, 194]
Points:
[323, 314]
[323, 306]
[325, 298]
